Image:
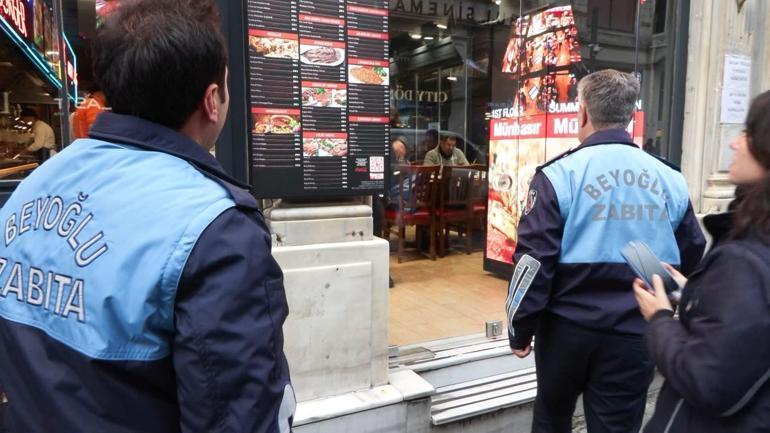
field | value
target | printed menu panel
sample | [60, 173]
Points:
[319, 96]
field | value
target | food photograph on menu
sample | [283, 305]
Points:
[325, 147]
[280, 124]
[324, 97]
[322, 55]
[359, 74]
[273, 47]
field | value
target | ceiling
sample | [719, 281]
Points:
[18, 75]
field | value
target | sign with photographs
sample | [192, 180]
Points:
[544, 60]
[319, 96]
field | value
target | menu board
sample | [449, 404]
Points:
[318, 93]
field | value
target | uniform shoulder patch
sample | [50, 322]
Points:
[531, 200]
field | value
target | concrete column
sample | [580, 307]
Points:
[336, 279]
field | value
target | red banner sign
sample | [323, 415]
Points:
[324, 85]
[362, 62]
[277, 35]
[309, 135]
[321, 20]
[369, 119]
[369, 35]
[287, 111]
[368, 11]
[330, 44]
[15, 12]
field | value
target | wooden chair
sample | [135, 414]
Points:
[462, 204]
[417, 188]
[480, 195]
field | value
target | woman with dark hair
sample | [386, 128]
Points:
[716, 357]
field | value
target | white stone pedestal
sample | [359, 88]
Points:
[336, 279]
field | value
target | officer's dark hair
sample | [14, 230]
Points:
[609, 97]
[752, 214]
[154, 59]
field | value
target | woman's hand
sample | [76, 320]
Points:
[650, 303]
[676, 275]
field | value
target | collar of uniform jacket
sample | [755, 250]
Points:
[608, 136]
[119, 128]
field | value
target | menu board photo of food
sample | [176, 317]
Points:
[376, 75]
[322, 55]
[324, 97]
[273, 47]
[324, 146]
[281, 124]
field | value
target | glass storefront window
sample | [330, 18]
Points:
[503, 80]
[31, 79]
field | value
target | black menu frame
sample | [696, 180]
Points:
[284, 165]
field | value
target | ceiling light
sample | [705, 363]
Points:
[442, 26]
[428, 38]
[416, 36]
[497, 2]
[451, 78]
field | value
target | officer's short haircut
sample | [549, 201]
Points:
[154, 59]
[609, 97]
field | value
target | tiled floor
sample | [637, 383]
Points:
[449, 297]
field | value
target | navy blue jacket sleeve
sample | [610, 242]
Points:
[228, 356]
[691, 242]
[537, 254]
[720, 352]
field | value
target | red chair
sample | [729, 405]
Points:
[416, 206]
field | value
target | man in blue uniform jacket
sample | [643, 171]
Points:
[137, 288]
[571, 288]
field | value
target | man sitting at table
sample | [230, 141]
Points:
[446, 153]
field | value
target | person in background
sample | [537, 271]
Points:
[398, 151]
[716, 357]
[446, 153]
[43, 143]
[86, 113]
[150, 301]
[571, 286]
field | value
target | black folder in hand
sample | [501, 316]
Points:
[645, 264]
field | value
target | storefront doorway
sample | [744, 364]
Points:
[502, 80]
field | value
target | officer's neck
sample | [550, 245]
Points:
[200, 131]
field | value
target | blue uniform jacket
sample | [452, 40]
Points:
[182, 333]
[583, 208]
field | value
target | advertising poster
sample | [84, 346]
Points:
[543, 57]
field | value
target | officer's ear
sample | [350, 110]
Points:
[582, 116]
[211, 102]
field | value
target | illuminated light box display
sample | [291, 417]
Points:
[541, 123]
